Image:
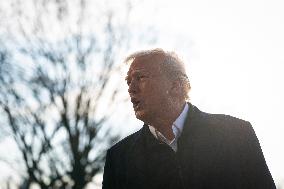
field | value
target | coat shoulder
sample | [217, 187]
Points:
[215, 121]
[125, 143]
[223, 120]
[225, 127]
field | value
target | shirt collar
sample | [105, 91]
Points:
[179, 122]
[177, 126]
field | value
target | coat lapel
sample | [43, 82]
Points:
[137, 163]
[142, 159]
[190, 125]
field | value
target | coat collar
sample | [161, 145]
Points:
[145, 142]
[190, 123]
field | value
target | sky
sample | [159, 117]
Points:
[234, 55]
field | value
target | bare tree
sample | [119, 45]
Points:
[63, 88]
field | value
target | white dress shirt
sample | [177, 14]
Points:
[177, 129]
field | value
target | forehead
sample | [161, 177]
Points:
[146, 64]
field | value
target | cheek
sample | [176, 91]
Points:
[153, 91]
[146, 88]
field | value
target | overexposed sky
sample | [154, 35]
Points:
[234, 53]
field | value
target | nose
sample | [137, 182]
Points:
[132, 88]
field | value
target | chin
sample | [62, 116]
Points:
[140, 115]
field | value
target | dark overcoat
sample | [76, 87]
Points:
[214, 152]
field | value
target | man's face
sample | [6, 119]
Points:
[148, 88]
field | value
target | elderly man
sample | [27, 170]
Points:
[179, 146]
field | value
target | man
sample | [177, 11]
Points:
[179, 146]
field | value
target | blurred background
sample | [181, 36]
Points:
[63, 99]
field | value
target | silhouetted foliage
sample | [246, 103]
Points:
[59, 87]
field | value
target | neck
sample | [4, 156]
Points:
[164, 123]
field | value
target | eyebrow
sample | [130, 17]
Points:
[139, 71]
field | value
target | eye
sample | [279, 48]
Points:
[141, 77]
[128, 82]
[135, 78]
